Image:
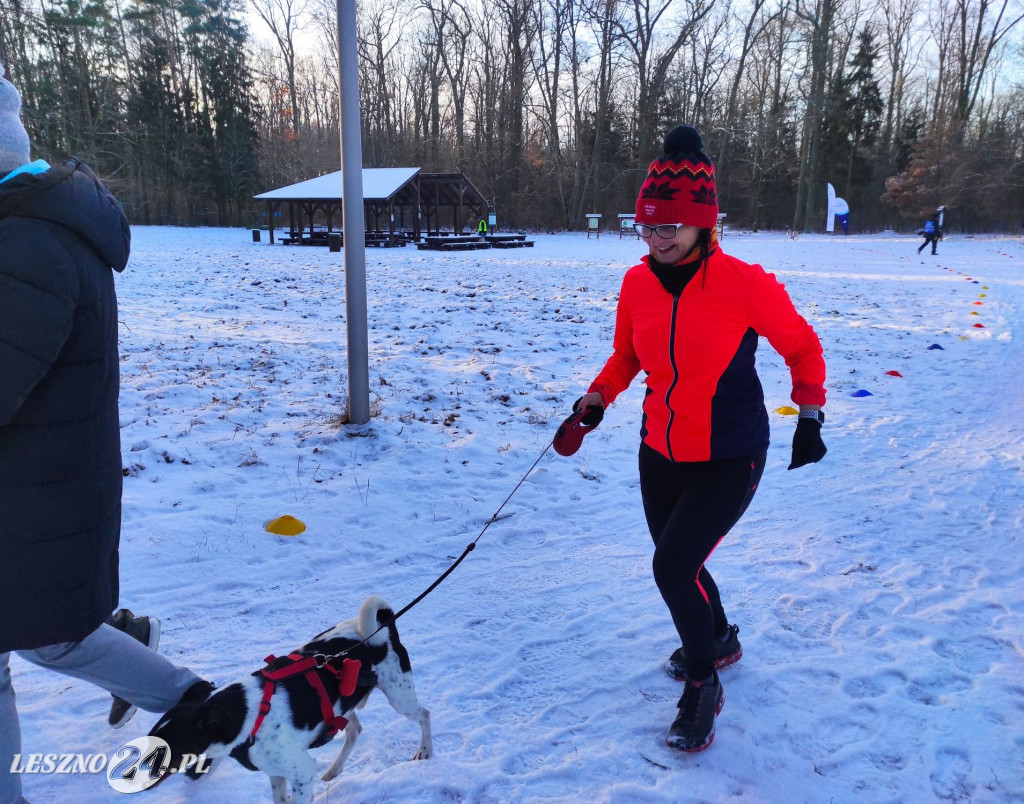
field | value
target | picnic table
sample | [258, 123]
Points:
[453, 243]
[384, 239]
[317, 238]
[323, 238]
[508, 240]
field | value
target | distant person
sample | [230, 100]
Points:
[481, 227]
[62, 236]
[931, 233]
[689, 316]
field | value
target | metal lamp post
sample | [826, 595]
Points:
[353, 224]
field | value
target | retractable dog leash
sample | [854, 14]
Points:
[570, 434]
[567, 441]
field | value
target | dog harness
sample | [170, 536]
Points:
[348, 677]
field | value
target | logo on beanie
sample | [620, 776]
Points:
[660, 192]
[705, 195]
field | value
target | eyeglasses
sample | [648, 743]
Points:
[663, 230]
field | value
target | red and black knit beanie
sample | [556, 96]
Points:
[680, 184]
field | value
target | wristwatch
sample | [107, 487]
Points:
[817, 415]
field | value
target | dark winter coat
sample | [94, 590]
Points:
[61, 234]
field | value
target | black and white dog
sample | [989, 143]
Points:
[228, 722]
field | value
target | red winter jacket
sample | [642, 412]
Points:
[704, 399]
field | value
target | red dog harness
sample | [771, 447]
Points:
[347, 677]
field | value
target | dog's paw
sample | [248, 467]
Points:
[423, 753]
[199, 772]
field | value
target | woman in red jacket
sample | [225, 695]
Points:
[689, 316]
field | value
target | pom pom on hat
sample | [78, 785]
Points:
[14, 144]
[683, 138]
[680, 184]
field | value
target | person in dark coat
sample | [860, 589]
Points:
[62, 236]
[931, 233]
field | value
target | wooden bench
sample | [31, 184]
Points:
[383, 240]
[318, 238]
[452, 246]
[453, 243]
[303, 240]
[509, 240]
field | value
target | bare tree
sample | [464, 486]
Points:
[452, 26]
[381, 28]
[605, 18]
[518, 34]
[653, 56]
[708, 57]
[819, 18]
[557, 69]
[978, 26]
[897, 35]
[753, 27]
[285, 18]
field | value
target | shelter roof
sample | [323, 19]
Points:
[379, 184]
[450, 189]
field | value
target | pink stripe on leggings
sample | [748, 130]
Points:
[697, 579]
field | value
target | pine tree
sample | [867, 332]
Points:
[853, 120]
[227, 132]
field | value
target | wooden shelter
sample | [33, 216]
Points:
[399, 204]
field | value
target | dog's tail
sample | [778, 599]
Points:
[374, 613]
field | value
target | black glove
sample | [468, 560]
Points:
[807, 444]
[592, 417]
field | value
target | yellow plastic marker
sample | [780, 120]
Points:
[786, 410]
[285, 526]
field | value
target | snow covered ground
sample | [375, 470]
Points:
[879, 593]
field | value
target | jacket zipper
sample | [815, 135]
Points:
[675, 374]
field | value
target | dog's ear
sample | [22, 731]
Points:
[222, 716]
[214, 721]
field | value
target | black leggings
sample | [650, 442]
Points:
[690, 507]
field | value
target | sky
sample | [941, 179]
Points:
[878, 593]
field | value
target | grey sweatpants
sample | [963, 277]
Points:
[108, 658]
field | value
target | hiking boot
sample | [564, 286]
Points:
[727, 651]
[694, 726]
[145, 630]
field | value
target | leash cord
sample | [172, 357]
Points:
[469, 549]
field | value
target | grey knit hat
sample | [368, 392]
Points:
[14, 145]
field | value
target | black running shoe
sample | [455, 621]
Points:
[145, 630]
[728, 652]
[694, 726]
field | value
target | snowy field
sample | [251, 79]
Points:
[879, 593]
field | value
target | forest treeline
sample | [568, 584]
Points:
[553, 108]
